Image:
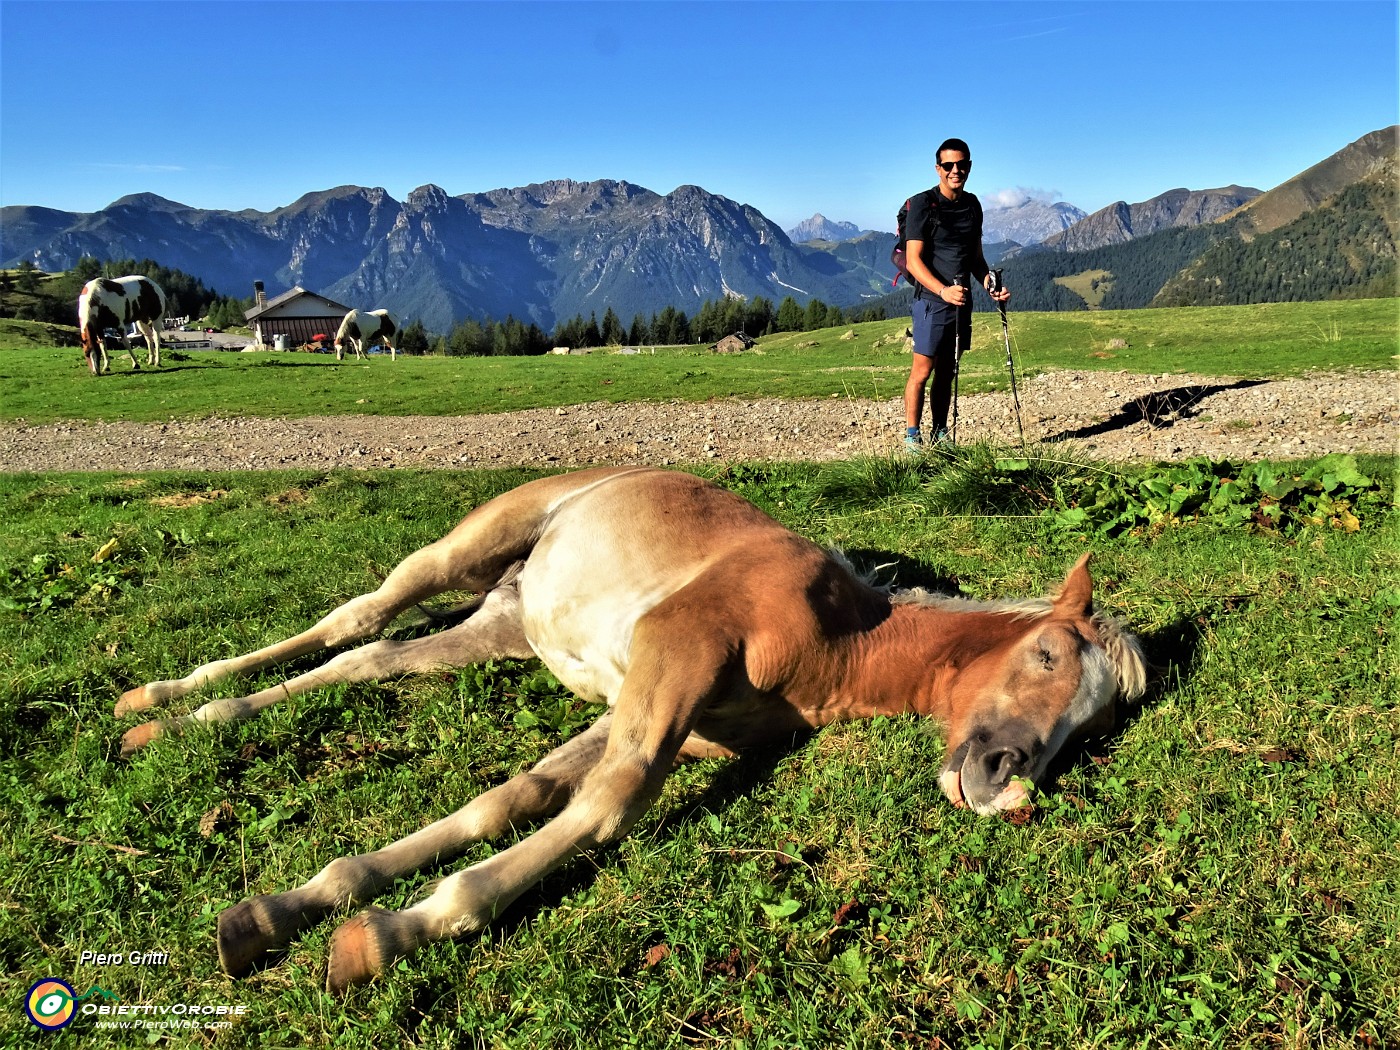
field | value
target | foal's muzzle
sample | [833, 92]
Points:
[981, 772]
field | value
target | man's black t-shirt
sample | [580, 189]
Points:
[954, 233]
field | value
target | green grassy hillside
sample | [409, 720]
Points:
[866, 360]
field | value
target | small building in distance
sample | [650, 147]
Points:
[733, 344]
[297, 314]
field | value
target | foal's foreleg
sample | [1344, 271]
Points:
[248, 930]
[655, 712]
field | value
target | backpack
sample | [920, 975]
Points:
[897, 254]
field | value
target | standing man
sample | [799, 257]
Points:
[943, 239]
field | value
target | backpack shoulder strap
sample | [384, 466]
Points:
[934, 202]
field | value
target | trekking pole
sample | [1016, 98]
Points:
[960, 281]
[1010, 365]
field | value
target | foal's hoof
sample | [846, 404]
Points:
[133, 700]
[358, 951]
[138, 737]
[246, 935]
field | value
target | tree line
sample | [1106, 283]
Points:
[715, 319]
[1342, 250]
[1139, 267]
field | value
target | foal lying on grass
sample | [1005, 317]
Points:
[706, 626]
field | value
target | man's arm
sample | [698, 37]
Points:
[914, 263]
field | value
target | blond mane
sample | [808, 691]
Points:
[1122, 648]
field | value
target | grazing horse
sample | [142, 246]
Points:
[706, 627]
[115, 302]
[361, 329]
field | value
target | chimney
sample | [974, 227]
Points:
[259, 297]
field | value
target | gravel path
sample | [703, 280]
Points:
[1114, 416]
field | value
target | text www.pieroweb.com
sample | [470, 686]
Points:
[150, 1017]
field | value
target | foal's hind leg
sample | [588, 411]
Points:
[251, 928]
[476, 556]
[492, 631]
[438, 567]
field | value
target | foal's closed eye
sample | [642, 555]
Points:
[1047, 658]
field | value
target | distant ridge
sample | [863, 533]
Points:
[1121, 222]
[1302, 193]
[1340, 242]
[542, 253]
[1345, 248]
[1029, 221]
[820, 228]
[549, 251]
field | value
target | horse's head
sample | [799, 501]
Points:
[90, 336]
[1052, 676]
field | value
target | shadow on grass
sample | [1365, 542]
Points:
[1171, 651]
[888, 569]
[147, 370]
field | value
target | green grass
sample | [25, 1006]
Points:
[1222, 872]
[1091, 285]
[42, 385]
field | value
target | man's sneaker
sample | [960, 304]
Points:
[913, 444]
[941, 438]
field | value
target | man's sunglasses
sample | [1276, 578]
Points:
[963, 166]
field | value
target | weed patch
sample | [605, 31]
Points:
[48, 581]
[1331, 494]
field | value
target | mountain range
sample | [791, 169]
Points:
[541, 253]
[1329, 232]
[548, 251]
[1028, 221]
[1121, 222]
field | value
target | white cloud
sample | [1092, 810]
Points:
[140, 169]
[1019, 195]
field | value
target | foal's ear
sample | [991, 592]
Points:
[1076, 597]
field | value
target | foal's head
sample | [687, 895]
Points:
[1046, 673]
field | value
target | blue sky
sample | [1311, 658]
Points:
[792, 107]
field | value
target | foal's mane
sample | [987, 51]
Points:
[1122, 648]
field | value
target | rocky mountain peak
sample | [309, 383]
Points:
[820, 228]
[428, 198]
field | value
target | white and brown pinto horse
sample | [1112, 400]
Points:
[116, 302]
[362, 329]
[706, 627]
